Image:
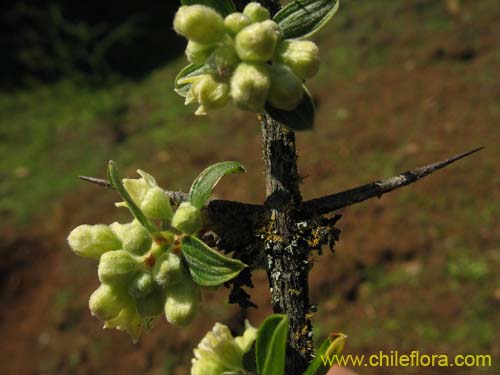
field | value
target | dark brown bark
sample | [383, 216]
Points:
[286, 251]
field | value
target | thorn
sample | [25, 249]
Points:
[97, 181]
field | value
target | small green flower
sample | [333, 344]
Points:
[218, 352]
[286, 89]
[187, 218]
[256, 12]
[128, 320]
[257, 42]
[150, 198]
[302, 56]
[207, 92]
[199, 23]
[250, 86]
[91, 241]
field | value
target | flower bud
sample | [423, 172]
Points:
[128, 320]
[223, 61]
[198, 53]
[91, 241]
[136, 239]
[256, 12]
[257, 42]
[156, 205]
[235, 22]
[181, 304]
[302, 56]
[141, 285]
[107, 301]
[150, 305]
[169, 270]
[286, 88]
[187, 218]
[116, 267]
[249, 86]
[199, 23]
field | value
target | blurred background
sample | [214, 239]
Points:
[402, 84]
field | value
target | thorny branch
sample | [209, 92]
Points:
[219, 211]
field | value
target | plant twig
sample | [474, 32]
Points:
[329, 203]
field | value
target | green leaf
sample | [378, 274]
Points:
[207, 266]
[304, 18]
[300, 118]
[206, 181]
[331, 347]
[224, 7]
[190, 70]
[115, 180]
[270, 347]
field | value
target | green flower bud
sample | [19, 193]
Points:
[181, 304]
[257, 42]
[302, 56]
[169, 270]
[150, 305]
[206, 91]
[136, 239]
[249, 86]
[286, 88]
[218, 349]
[156, 204]
[256, 12]
[116, 267]
[199, 23]
[106, 302]
[141, 285]
[235, 22]
[187, 218]
[91, 241]
[198, 53]
[223, 61]
[128, 320]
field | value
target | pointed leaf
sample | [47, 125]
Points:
[301, 118]
[207, 266]
[270, 346]
[206, 181]
[190, 70]
[304, 18]
[116, 182]
[330, 348]
[224, 7]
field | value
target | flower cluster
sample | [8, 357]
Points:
[245, 58]
[220, 353]
[142, 274]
